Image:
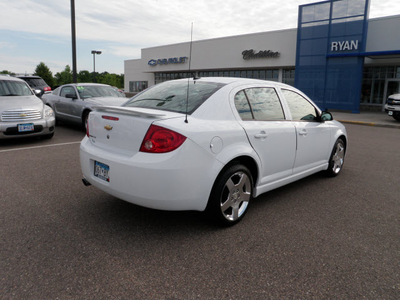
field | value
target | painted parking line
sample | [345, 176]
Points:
[38, 147]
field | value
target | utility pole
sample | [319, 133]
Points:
[73, 31]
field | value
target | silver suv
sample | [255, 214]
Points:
[22, 113]
[392, 106]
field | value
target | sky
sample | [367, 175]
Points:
[34, 31]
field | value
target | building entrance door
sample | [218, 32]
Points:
[392, 86]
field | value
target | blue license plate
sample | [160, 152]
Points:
[101, 171]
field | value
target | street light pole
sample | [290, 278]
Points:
[94, 52]
[73, 33]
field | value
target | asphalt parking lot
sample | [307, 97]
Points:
[319, 238]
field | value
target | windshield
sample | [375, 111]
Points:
[14, 88]
[177, 96]
[90, 91]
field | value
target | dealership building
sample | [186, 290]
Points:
[338, 56]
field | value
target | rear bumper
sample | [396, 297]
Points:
[171, 181]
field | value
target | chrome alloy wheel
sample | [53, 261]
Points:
[235, 196]
[338, 157]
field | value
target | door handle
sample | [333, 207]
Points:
[262, 135]
[303, 132]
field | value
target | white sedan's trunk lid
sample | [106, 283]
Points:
[121, 130]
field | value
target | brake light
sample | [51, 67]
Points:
[161, 140]
[47, 89]
[110, 118]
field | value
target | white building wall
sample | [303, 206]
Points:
[216, 54]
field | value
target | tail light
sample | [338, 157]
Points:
[47, 89]
[161, 140]
[87, 128]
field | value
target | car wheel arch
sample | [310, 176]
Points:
[85, 114]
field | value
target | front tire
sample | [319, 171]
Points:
[231, 195]
[396, 116]
[336, 159]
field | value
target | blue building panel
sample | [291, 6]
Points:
[329, 62]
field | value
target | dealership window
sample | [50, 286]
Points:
[288, 76]
[137, 86]
[264, 74]
[376, 81]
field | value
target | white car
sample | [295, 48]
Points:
[22, 113]
[392, 106]
[209, 144]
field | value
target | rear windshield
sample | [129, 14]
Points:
[14, 88]
[34, 82]
[177, 96]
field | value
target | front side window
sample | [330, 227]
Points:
[260, 104]
[67, 90]
[301, 109]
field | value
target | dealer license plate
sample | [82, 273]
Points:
[101, 171]
[26, 127]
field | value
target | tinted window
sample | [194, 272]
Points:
[34, 82]
[259, 104]
[178, 96]
[299, 106]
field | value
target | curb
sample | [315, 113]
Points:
[370, 124]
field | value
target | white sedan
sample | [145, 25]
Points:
[209, 144]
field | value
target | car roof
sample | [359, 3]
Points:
[10, 78]
[237, 81]
[85, 84]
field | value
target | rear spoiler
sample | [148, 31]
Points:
[131, 111]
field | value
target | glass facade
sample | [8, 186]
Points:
[378, 83]
[137, 86]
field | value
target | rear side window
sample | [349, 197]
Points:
[260, 104]
[177, 96]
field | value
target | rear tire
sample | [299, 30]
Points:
[231, 195]
[336, 159]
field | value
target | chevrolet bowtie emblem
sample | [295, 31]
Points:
[22, 115]
[108, 127]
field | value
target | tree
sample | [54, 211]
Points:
[85, 76]
[64, 77]
[7, 72]
[43, 71]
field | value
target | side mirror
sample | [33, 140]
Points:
[38, 93]
[326, 116]
[71, 96]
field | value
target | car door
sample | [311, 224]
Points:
[272, 137]
[313, 136]
[63, 104]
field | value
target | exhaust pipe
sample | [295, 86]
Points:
[85, 182]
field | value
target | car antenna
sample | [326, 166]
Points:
[194, 77]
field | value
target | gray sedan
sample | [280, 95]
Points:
[73, 102]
